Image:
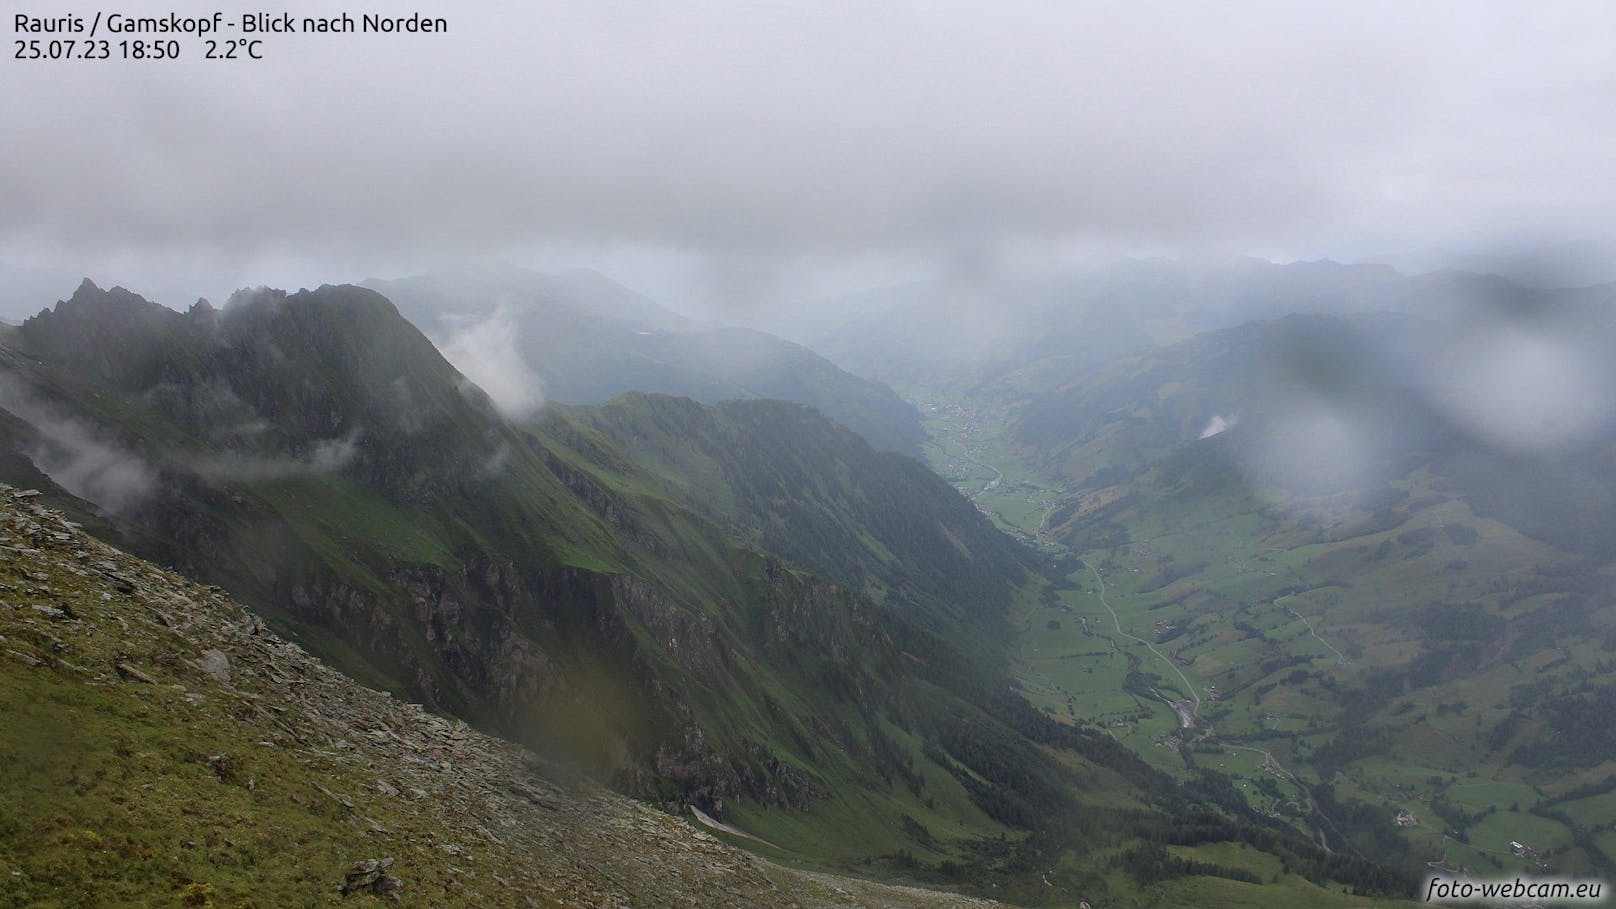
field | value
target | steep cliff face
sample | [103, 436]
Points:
[607, 670]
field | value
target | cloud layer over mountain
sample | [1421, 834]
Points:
[754, 137]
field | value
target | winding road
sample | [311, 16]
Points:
[1186, 719]
[1312, 805]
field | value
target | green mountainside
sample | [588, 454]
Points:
[744, 608]
[314, 454]
[776, 476]
[164, 748]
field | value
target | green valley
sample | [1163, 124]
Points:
[1389, 661]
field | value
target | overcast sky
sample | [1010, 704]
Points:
[741, 151]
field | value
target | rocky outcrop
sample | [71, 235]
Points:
[372, 876]
[501, 645]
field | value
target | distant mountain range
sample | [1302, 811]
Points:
[1056, 323]
[584, 339]
[1496, 405]
[1581, 263]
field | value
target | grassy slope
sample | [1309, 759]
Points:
[259, 783]
[797, 486]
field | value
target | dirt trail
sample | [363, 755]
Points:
[1341, 658]
[708, 820]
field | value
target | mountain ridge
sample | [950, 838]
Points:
[586, 339]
